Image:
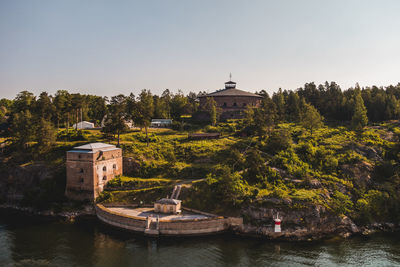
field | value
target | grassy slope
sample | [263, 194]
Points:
[320, 159]
[171, 158]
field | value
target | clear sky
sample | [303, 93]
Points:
[111, 47]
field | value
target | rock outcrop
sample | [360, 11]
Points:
[308, 223]
[15, 180]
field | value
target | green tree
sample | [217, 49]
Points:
[23, 101]
[179, 106]
[256, 168]
[229, 187]
[61, 105]
[260, 120]
[45, 135]
[97, 108]
[269, 113]
[311, 119]
[22, 128]
[161, 109]
[277, 141]
[211, 109]
[44, 106]
[293, 107]
[359, 119]
[166, 99]
[143, 111]
[279, 101]
[115, 121]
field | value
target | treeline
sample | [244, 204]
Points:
[382, 103]
[29, 118]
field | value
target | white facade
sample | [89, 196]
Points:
[161, 123]
[83, 125]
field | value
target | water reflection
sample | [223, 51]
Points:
[88, 243]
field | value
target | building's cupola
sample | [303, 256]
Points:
[230, 84]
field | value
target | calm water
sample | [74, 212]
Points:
[25, 241]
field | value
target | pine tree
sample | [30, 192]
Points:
[360, 118]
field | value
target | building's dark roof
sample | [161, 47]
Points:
[168, 201]
[231, 92]
[230, 82]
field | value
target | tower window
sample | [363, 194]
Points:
[104, 178]
[104, 168]
[114, 166]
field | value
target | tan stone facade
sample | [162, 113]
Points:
[89, 168]
[232, 101]
[166, 205]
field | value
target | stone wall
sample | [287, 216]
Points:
[201, 226]
[137, 224]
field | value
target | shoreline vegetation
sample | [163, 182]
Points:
[327, 160]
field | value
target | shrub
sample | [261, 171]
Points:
[341, 203]
[279, 140]
[72, 135]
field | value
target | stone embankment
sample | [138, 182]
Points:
[207, 224]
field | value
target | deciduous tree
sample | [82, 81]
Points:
[311, 119]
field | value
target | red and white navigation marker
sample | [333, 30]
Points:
[277, 220]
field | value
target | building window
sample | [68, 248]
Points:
[224, 105]
[114, 166]
[81, 180]
[244, 104]
[79, 156]
[171, 208]
[234, 104]
[104, 168]
[81, 170]
[104, 178]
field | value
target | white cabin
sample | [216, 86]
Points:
[83, 125]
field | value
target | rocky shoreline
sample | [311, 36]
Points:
[69, 216]
[314, 235]
[342, 229]
[309, 223]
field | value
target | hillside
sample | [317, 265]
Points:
[312, 180]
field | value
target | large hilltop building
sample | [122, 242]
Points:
[232, 101]
[89, 168]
